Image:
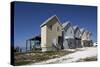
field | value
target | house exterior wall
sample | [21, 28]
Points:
[89, 36]
[89, 41]
[44, 38]
[78, 38]
[52, 35]
[35, 44]
[49, 35]
[68, 41]
[84, 36]
[69, 32]
[85, 40]
[77, 34]
[65, 44]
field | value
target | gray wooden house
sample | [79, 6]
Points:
[68, 36]
[77, 36]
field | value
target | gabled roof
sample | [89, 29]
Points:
[82, 31]
[75, 28]
[65, 24]
[49, 19]
[35, 38]
[88, 32]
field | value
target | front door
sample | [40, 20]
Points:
[60, 42]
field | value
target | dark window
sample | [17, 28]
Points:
[70, 42]
[57, 28]
[50, 27]
[70, 31]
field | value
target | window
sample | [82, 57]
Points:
[57, 28]
[70, 42]
[50, 27]
[70, 31]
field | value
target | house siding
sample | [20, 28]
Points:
[85, 39]
[78, 38]
[49, 35]
[44, 38]
[68, 38]
[55, 36]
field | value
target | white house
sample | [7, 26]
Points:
[86, 38]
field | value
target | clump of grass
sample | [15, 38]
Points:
[22, 63]
[21, 59]
[90, 59]
[94, 58]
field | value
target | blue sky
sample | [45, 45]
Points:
[29, 16]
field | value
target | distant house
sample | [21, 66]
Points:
[68, 36]
[85, 38]
[90, 42]
[51, 34]
[77, 36]
[33, 43]
[57, 36]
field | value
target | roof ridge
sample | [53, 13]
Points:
[65, 23]
[50, 18]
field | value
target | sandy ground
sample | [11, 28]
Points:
[81, 53]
